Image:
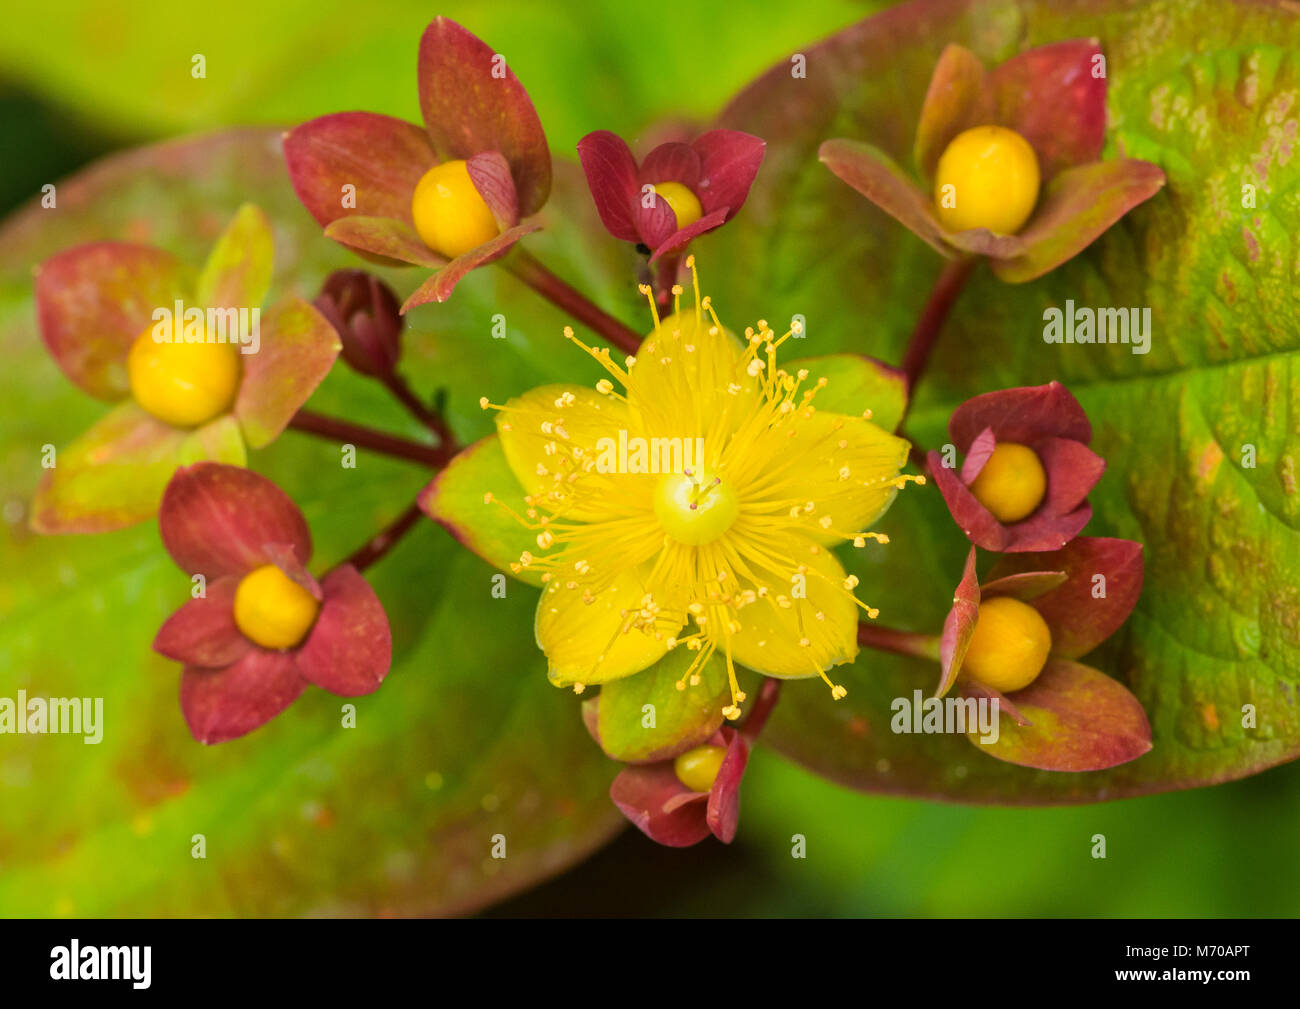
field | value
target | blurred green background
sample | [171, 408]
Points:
[81, 79]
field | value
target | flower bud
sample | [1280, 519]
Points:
[367, 315]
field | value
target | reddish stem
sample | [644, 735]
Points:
[384, 540]
[431, 419]
[524, 266]
[883, 639]
[346, 432]
[945, 292]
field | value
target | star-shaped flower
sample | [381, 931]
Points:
[690, 500]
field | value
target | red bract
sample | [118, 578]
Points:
[1046, 419]
[474, 109]
[223, 522]
[718, 168]
[666, 811]
[1071, 717]
[1053, 98]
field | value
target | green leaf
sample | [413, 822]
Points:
[455, 499]
[679, 719]
[465, 739]
[1206, 91]
[856, 383]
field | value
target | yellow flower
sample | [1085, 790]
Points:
[692, 502]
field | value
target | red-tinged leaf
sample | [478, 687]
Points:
[656, 223]
[203, 632]
[855, 383]
[875, 175]
[955, 101]
[671, 162]
[1076, 208]
[722, 813]
[1072, 470]
[973, 688]
[470, 107]
[975, 521]
[237, 273]
[92, 301]
[439, 286]
[729, 162]
[223, 704]
[386, 238]
[380, 157]
[455, 500]
[298, 348]
[1026, 586]
[490, 173]
[660, 806]
[350, 648]
[982, 242]
[1050, 96]
[682, 237]
[215, 520]
[959, 626]
[285, 557]
[611, 172]
[1078, 617]
[1023, 415]
[979, 453]
[1080, 720]
[111, 477]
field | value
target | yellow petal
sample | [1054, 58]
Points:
[550, 433]
[688, 382]
[591, 642]
[811, 627]
[843, 465]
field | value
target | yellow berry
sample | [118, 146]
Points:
[1012, 483]
[697, 769]
[685, 204]
[183, 384]
[1009, 646]
[272, 609]
[450, 215]
[993, 173]
[695, 508]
